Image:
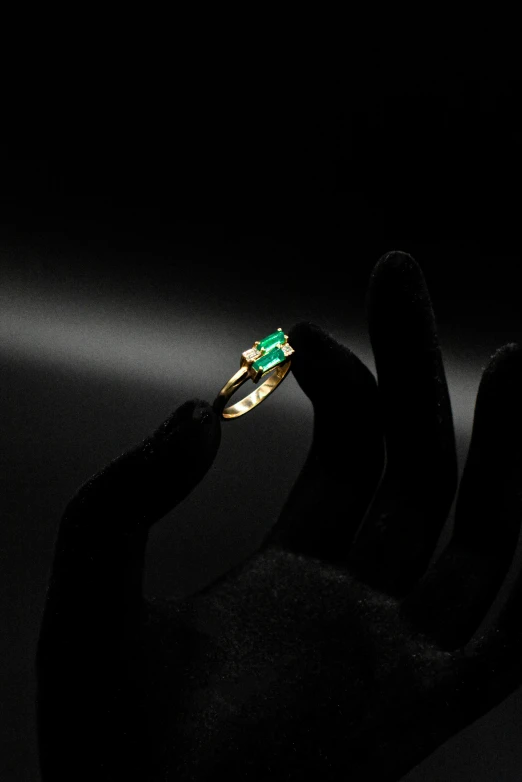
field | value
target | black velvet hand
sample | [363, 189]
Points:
[334, 651]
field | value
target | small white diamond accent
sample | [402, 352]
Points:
[251, 354]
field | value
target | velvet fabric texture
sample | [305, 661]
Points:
[334, 651]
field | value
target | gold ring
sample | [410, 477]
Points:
[272, 352]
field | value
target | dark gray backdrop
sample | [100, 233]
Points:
[128, 285]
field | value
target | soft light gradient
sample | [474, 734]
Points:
[90, 367]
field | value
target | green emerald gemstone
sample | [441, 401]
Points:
[269, 360]
[277, 338]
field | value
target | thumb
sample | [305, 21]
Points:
[147, 481]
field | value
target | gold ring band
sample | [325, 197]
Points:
[271, 353]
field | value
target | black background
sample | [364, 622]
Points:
[209, 216]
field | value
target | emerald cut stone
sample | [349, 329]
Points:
[269, 360]
[277, 338]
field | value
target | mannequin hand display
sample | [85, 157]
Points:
[339, 649]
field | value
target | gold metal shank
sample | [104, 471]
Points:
[253, 399]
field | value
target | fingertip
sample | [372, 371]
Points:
[184, 447]
[193, 416]
[312, 345]
[397, 257]
[319, 355]
[393, 260]
[508, 355]
[494, 449]
[153, 476]
[399, 308]
[308, 337]
[207, 422]
[504, 368]
[500, 387]
[304, 333]
[394, 272]
[203, 414]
